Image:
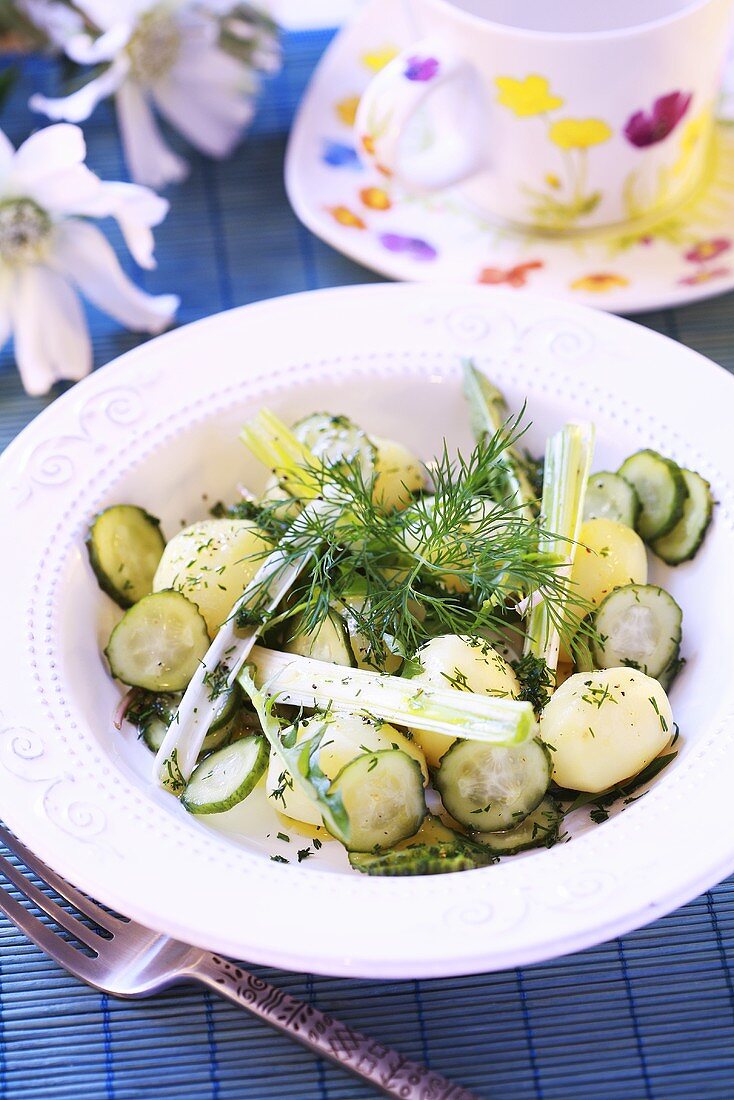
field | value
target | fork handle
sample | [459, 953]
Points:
[384, 1068]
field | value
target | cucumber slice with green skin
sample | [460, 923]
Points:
[334, 440]
[609, 496]
[682, 542]
[435, 849]
[539, 829]
[490, 787]
[158, 643]
[226, 777]
[228, 702]
[639, 626]
[328, 642]
[382, 793]
[125, 545]
[660, 485]
[152, 715]
[440, 858]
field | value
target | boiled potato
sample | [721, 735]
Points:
[604, 727]
[398, 475]
[347, 736]
[610, 555]
[467, 664]
[211, 563]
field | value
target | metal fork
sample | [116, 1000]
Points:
[132, 961]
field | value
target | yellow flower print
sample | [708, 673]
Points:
[579, 133]
[346, 109]
[599, 282]
[693, 133]
[553, 181]
[378, 59]
[527, 97]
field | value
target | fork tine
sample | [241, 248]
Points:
[60, 885]
[72, 924]
[49, 941]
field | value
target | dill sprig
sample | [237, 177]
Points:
[453, 562]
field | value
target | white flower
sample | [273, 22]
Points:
[194, 61]
[47, 248]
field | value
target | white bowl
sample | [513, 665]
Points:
[159, 428]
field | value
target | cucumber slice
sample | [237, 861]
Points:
[638, 625]
[159, 643]
[328, 642]
[335, 440]
[125, 544]
[227, 703]
[225, 778]
[539, 829]
[435, 849]
[383, 795]
[682, 542]
[152, 715]
[489, 787]
[661, 488]
[609, 496]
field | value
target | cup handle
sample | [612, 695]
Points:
[456, 150]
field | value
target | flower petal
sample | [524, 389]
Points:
[86, 50]
[134, 207]
[7, 152]
[106, 14]
[212, 118]
[148, 157]
[79, 105]
[84, 254]
[53, 149]
[51, 335]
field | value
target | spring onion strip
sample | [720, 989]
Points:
[489, 414]
[305, 682]
[176, 758]
[568, 456]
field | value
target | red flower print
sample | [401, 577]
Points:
[704, 274]
[512, 276]
[703, 251]
[647, 128]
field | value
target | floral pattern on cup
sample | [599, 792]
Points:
[600, 282]
[414, 247]
[344, 216]
[563, 199]
[702, 253]
[516, 276]
[644, 128]
[421, 69]
[376, 198]
[378, 58]
[337, 154]
[346, 109]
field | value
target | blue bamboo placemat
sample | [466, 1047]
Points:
[650, 1016]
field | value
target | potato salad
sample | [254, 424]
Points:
[429, 660]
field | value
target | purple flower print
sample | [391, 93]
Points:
[421, 68]
[644, 129]
[411, 246]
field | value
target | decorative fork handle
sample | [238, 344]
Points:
[384, 1068]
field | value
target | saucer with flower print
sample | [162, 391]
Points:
[683, 256]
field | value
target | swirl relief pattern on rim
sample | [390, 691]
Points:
[26, 756]
[101, 420]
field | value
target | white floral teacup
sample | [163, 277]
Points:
[559, 114]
